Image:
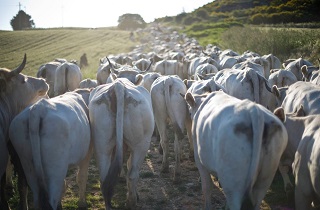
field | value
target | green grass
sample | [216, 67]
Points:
[282, 42]
[43, 46]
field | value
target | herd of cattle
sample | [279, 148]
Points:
[246, 116]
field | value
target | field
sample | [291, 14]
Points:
[156, 190]
[43, 46]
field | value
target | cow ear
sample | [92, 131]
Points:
[138, 79]
[113, 76]
[275, 91]
[304, 70]
[190, 99]
[188, 83]
[300, 112]
[279, 112]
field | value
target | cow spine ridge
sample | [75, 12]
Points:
[115, 167]
[35, 114]
[257, 122]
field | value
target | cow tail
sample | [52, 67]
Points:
[66, 80]
[257, 122]
[281, 79]
[35, 121]
[116, 164]
[168, 83]
[255, 85]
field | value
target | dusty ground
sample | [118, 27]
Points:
[159, 191]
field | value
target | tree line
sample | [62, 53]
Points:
[126, 21]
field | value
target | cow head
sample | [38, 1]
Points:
[18, 91]
[280, 113]
[6, 75]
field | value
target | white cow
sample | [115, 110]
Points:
[311, 74]
[53, 135]
[302, 152]
[169, 67]
[239, 142]
[273, 61]
[67, 78]
[48, 72]
[148, 79]
[229, 61]
[246, 84]
[104, 69]
[200, 87]
[133, 74]
[302, 93]
[17, 91]
[88, 83]
[295, 66]
[142, 64]
[249, 64]
[169, 105]
[281, 78]
[195, 62]
[205, 69]
[120, 115]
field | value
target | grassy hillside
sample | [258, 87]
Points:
[251, 12]
[43, 46]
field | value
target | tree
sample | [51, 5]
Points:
[22, 21]
[131, 22]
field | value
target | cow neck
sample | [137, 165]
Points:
[8, 111]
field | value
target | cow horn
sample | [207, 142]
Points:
[149, 66]
[111, 66]
[112, 69]
[207, 54]
[17, 70]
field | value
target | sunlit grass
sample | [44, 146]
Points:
[43, 46]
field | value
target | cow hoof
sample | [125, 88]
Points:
[160, 149]
[22, 206]
[4, 206]
[59, 206]
[9, 192]
[290, 198]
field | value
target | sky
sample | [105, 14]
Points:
[91, 13]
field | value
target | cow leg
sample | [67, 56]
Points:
[162, 128]
[82, 178]
[158, 139]
[23, 190]
[133, 164]
[188, 124]
[288, 186]
[56, 185]
[207, 186]
[206, 182]
[9, 174]
[3, 164]
[22, 181]
[302, 200]
[3, 200]
[177, 151]
[104, 162]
